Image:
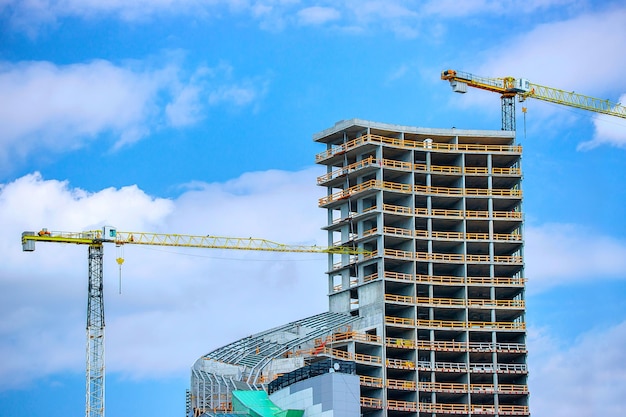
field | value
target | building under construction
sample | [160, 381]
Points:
[428, 318]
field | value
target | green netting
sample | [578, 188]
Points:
[258, 404]
[290, 413]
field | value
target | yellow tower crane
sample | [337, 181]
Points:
[510, 87]
[95, 239]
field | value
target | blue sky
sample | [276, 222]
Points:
[192, 116]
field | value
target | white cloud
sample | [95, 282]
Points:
[557, 254]
[176, 304]
[396, 16]
[609, 130]
[405, 18]
[26, 15]
[47, 107]
[317, 15]
[31, 15]
[586, 378]
[56, 108]
[398, 72]
[52, 107]
[185, 109]
[456, 9]
[565, 55]
[239, 95]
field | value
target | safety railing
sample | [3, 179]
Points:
[473, 367]
[370, 381]
[501, 389]
[443, 346]
[452, 280]
[396, 342]
[397, 231]
[370, 232]
[400, 364]
[454, 302]
[488, 409]
[450, 257]
[438, 169]
[399, 321]
[352, 337]
[370, 277]
[399, 276]
[453, 191]
[401, 384]
[496, 303]
[414, 144]
[367, 402]
[442, 387]
[442, 408]
[496, 281]
[473, 214]
[451, 346]
[443, 279]
[514, 368]
[407, 299]
[343, 194]
[481, 368]
[364, 163]
[467, 170]
[397, 209]
[506, 171]
[438, 324]
[340, 149]
[357, 357]
[513, 410]
[442, 366]
[473, 388]
[398, 165]
[419, 189]
[400, 405]
[511, 348]
[483, 409]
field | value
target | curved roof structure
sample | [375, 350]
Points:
[247, 363]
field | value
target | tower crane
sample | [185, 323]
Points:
[95, 240]
[510, 87]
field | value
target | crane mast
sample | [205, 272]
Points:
[94, 406]
[510, 87]
[95, 239]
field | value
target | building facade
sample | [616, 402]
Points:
[441, 296]
[430, 308]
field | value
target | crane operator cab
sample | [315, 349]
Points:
[109, 233]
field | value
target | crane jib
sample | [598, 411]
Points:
[111, 235]
[510, 87]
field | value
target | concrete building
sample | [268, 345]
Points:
[432, 314]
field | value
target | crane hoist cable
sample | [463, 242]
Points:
[120, 262]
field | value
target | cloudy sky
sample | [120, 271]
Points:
[196, 116]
